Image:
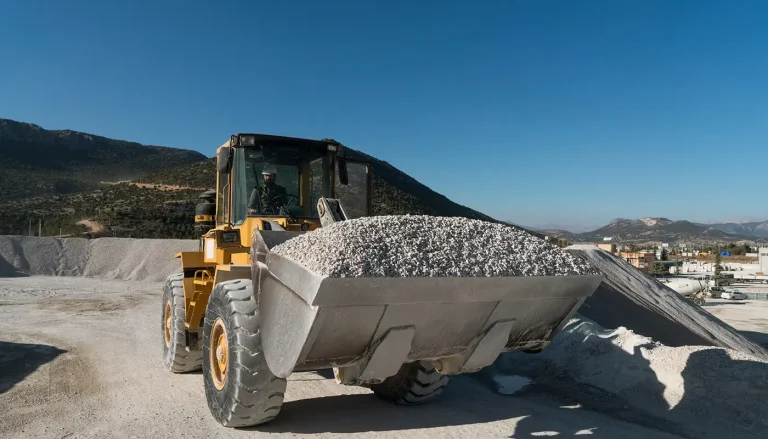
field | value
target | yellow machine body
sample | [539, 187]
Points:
[397, 335]
[225, 249]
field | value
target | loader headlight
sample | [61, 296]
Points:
[227, 238]
[332, 148]
[247, 140]
[230, 237]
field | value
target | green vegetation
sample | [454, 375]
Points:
[659, 268]
[56, 178]
[35, 161]
[200, 174]
[122, 210]
[718, 267]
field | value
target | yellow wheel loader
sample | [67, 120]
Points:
[250, 321]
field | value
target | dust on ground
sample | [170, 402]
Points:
[91, 226]
[91, 374]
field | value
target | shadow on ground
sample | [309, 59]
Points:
[464, 402]
[8, 270]
[760, 338]
[325, 373]
[19, 360]
[714, 395]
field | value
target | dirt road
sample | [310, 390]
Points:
[80, 358]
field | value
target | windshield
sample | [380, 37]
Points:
[286, 166]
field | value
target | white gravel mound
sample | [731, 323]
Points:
[427, 246]
[148, 260]
[707, 391]
[635, 300]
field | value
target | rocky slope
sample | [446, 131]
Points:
[654, 229]
[56, 177]
[35, 161]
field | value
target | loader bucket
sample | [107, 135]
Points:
[369, 327]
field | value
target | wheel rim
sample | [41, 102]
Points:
[219, 354]
[168, 321]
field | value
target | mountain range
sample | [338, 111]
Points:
[757, 229]
[61, 180]
[35, 161]
[666, 230]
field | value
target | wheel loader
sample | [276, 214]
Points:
[249, 321]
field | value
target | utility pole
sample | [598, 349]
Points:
[39, 227]
[30, 226]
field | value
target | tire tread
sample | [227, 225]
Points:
[415, 383]
[252, 395]
[177, 358]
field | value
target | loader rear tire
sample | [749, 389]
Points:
[414, 383]
[240, 389]
[175, 356]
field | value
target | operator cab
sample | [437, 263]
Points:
[303, 169]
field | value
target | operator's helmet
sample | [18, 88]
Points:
[269, 172]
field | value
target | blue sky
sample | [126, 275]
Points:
[539, 112]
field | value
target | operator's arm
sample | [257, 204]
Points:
[283, 194]
[253, 201]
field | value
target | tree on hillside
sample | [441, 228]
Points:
[718, 267]
[659, 268]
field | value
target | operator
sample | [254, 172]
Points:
[267, 199]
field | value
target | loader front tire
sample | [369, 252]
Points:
[414, 383]
[240, 389]
[176, 357]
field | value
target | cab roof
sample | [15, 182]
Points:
[270, 138]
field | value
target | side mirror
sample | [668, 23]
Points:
[343, 175]
[224, 160]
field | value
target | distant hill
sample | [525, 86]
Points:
[757, 229]
[397, 193]
[558, 233]
[655, 229]
[35, 161]
[59, 181]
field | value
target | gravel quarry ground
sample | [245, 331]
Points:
[635, 300]
[750, 317]
[149, 260]
[695, 391]
[81, 358]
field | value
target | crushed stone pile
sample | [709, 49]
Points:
[708, 392]
[146, 260]
[635, 300]
[427, 246]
